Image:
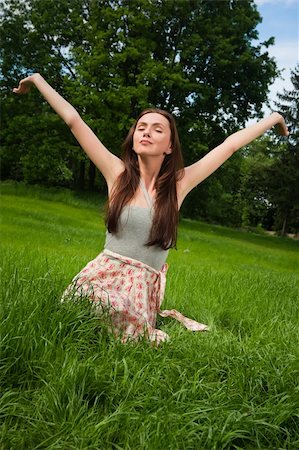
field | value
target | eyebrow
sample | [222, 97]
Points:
[154, 124]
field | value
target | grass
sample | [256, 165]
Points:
[67, 384]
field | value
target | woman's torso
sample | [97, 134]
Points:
[134, 227]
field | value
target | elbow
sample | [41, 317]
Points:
[231, 144]
[71, 118]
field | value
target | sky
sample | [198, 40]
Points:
[281, 20]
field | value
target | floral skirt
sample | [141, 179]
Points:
[131, 292]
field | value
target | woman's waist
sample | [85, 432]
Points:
[154, 262]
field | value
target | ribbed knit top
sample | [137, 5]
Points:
[134, 227]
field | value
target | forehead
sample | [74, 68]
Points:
[154, 118]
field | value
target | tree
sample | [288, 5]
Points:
[270, 182]
[113, 58]
[286, 196]
[36, 146]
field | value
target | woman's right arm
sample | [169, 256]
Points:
[108, 164]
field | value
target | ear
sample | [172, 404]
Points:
[169, 150]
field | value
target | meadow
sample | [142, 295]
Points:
[66, 383]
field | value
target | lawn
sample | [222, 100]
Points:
[67, 384]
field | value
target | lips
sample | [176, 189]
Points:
[145, 141]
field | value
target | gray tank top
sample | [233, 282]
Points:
[133, 232]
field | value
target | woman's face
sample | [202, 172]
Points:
[152, 135]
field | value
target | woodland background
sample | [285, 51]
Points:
[201, 60]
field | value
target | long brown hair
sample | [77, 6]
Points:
[164, 228]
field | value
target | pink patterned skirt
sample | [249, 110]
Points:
[131, 292]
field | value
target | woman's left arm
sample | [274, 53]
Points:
[200, 170]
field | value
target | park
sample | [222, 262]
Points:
[66, 381]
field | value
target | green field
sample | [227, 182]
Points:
[67, 384]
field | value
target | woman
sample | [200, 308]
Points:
[145, 191]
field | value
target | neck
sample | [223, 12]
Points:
[149, 171]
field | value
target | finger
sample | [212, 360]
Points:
[278, 129]
[285, 131]
[281, 130]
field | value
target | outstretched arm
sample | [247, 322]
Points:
[105, 161]
[200, 170]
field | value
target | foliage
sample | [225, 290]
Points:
[286, 196]
[270, 181]
[111, 59]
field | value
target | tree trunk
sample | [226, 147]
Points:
[91, 176]
[284, 228]
[81, 178]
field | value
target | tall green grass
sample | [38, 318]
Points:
[67, 384]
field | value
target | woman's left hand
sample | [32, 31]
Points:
[280, 127]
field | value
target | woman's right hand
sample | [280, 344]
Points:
[25, 85]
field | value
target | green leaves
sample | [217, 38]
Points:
[114, 58]
[270, 173]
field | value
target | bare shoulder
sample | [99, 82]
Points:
[181, 186]
[111, 180]
[186, 182]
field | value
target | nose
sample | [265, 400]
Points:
[146, 133]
